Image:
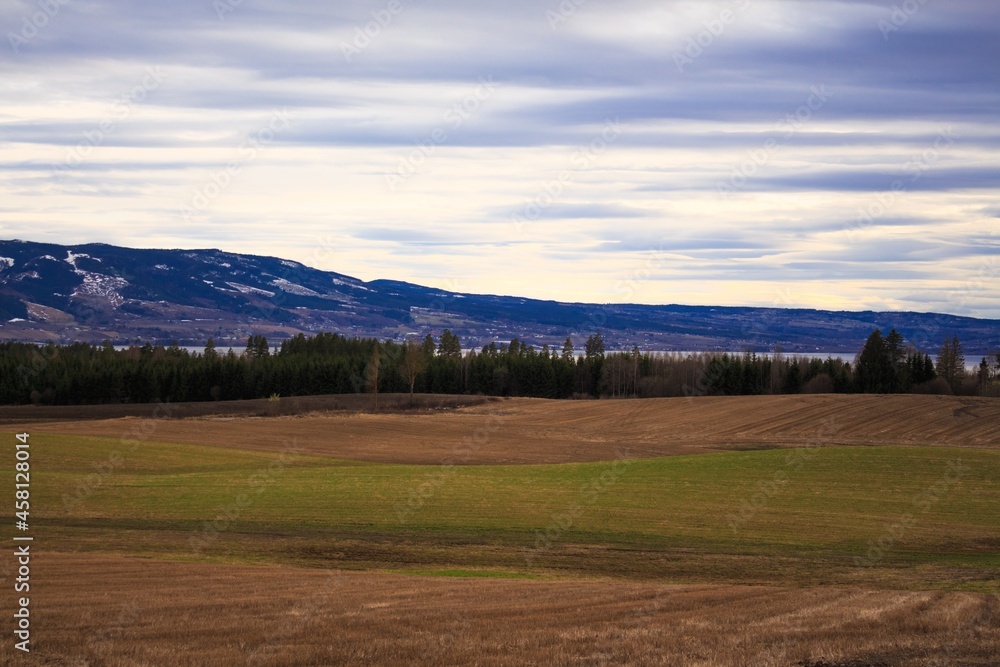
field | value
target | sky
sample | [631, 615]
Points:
[839, 155]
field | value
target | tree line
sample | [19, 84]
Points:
[329, 363]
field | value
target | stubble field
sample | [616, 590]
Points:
[210, 615]
[524, 430]
[813, 530]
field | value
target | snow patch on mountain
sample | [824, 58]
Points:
[246, 289]
[100, 285]
[292, 288]
[6, 263]
[338, 281]
[216, 260]
[71, 258]
[96, 284]
[24, 276]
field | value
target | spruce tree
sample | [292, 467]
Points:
[951, 363]
[568, 350]
[874, 373]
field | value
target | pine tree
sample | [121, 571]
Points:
[929, 372]
[793, 378]
[984, 373]
[595, 346]
[874, 373]
[951, 363]
[897, 355]
[894, 347]
[428, 347]
[567, 350]
[959, 356]
[450, 346]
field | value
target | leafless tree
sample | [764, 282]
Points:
[413, 363]
[372, 373]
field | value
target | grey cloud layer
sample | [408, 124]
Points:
[884, 95]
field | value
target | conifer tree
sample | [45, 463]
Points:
[874, 373]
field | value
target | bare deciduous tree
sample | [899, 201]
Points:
[372, 373]
[413, 363]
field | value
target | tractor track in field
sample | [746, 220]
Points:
[529, 431]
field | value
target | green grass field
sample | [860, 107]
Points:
[900, 516]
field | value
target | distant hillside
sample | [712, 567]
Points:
[91, 292]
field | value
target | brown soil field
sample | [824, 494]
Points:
[119, 611]
[522, 431]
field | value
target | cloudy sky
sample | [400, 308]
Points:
[841, 155]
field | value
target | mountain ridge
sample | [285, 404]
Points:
[96, 291]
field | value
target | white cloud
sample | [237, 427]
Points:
[318, 192]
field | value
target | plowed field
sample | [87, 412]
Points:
[542, 431]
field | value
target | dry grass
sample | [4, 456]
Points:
[117, 611]
[595, 603]
[541, 431]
